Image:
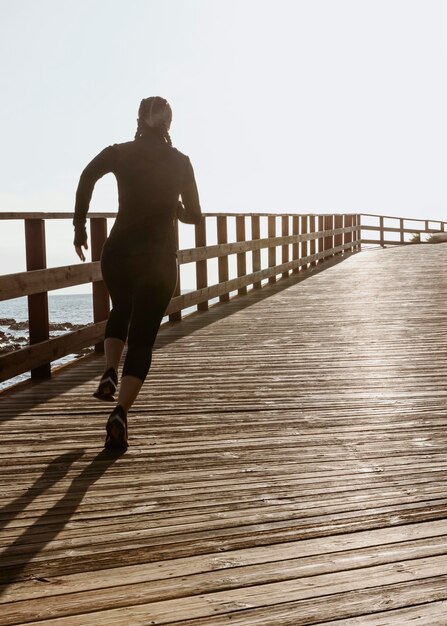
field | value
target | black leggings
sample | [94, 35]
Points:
[140, 287]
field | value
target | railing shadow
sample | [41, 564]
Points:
[54, 472]
[196, 321]
[16, 558]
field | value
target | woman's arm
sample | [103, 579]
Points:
[102, 164]
[188, 210]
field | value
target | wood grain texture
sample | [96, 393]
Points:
[287, 464]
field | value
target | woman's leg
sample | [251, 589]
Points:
[129, 389]
[117, 278]
[113, 349]
[117, 275]
[152, 293]
[154, 284]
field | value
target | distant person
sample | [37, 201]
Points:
[139, 258]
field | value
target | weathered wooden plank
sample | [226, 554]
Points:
[365, 548]
[420, 615]
[179, 585]
[388, 579]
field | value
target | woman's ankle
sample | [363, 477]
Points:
[120, 410]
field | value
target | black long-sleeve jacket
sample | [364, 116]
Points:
[151, 176]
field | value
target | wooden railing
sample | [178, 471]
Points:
[389, 230]
[304, 241]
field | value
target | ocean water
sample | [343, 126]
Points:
[65, 312]
[74, 308]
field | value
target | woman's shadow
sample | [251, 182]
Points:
[43, 530]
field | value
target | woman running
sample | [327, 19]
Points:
[139, 258]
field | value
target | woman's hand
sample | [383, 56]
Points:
[79, 251]
[80, 241]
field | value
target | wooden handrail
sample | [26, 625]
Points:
[303, 241]
[65, 215]
[397, 217]
[382, 229]
[37, 281]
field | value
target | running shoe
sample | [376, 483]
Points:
[107, 385]
[116, 429]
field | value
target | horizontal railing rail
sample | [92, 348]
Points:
[402, 228]
[303, 241]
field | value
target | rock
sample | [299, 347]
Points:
[64, 326]
[6, 321]
[70, 325]
[10, 347]
[18, 325]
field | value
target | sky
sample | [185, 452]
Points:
[282, 105]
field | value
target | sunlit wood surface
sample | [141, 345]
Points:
[287, 465]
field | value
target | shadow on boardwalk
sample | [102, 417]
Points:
[45, 528]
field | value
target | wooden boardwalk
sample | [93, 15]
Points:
[287, 465]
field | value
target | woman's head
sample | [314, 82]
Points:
[154, 113]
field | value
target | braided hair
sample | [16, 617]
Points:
[154, 114]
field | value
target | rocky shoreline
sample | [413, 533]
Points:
[10, 341]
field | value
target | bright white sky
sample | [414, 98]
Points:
[282, 105]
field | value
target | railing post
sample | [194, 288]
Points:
[177, 316]
[296, 245]
[222, 261]
[401, 227]
[201, 267]
[304, 243]
[240, 257]
[321, 238]
[256, 254]
[272, 250]
[338, 239]
[347, 237]
[381, 233]
[39, 328]
[98, 236]
[285, 247]
[328, 239]
[312, 242]
[358, 222]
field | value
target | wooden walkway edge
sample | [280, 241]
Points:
[287, 465]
